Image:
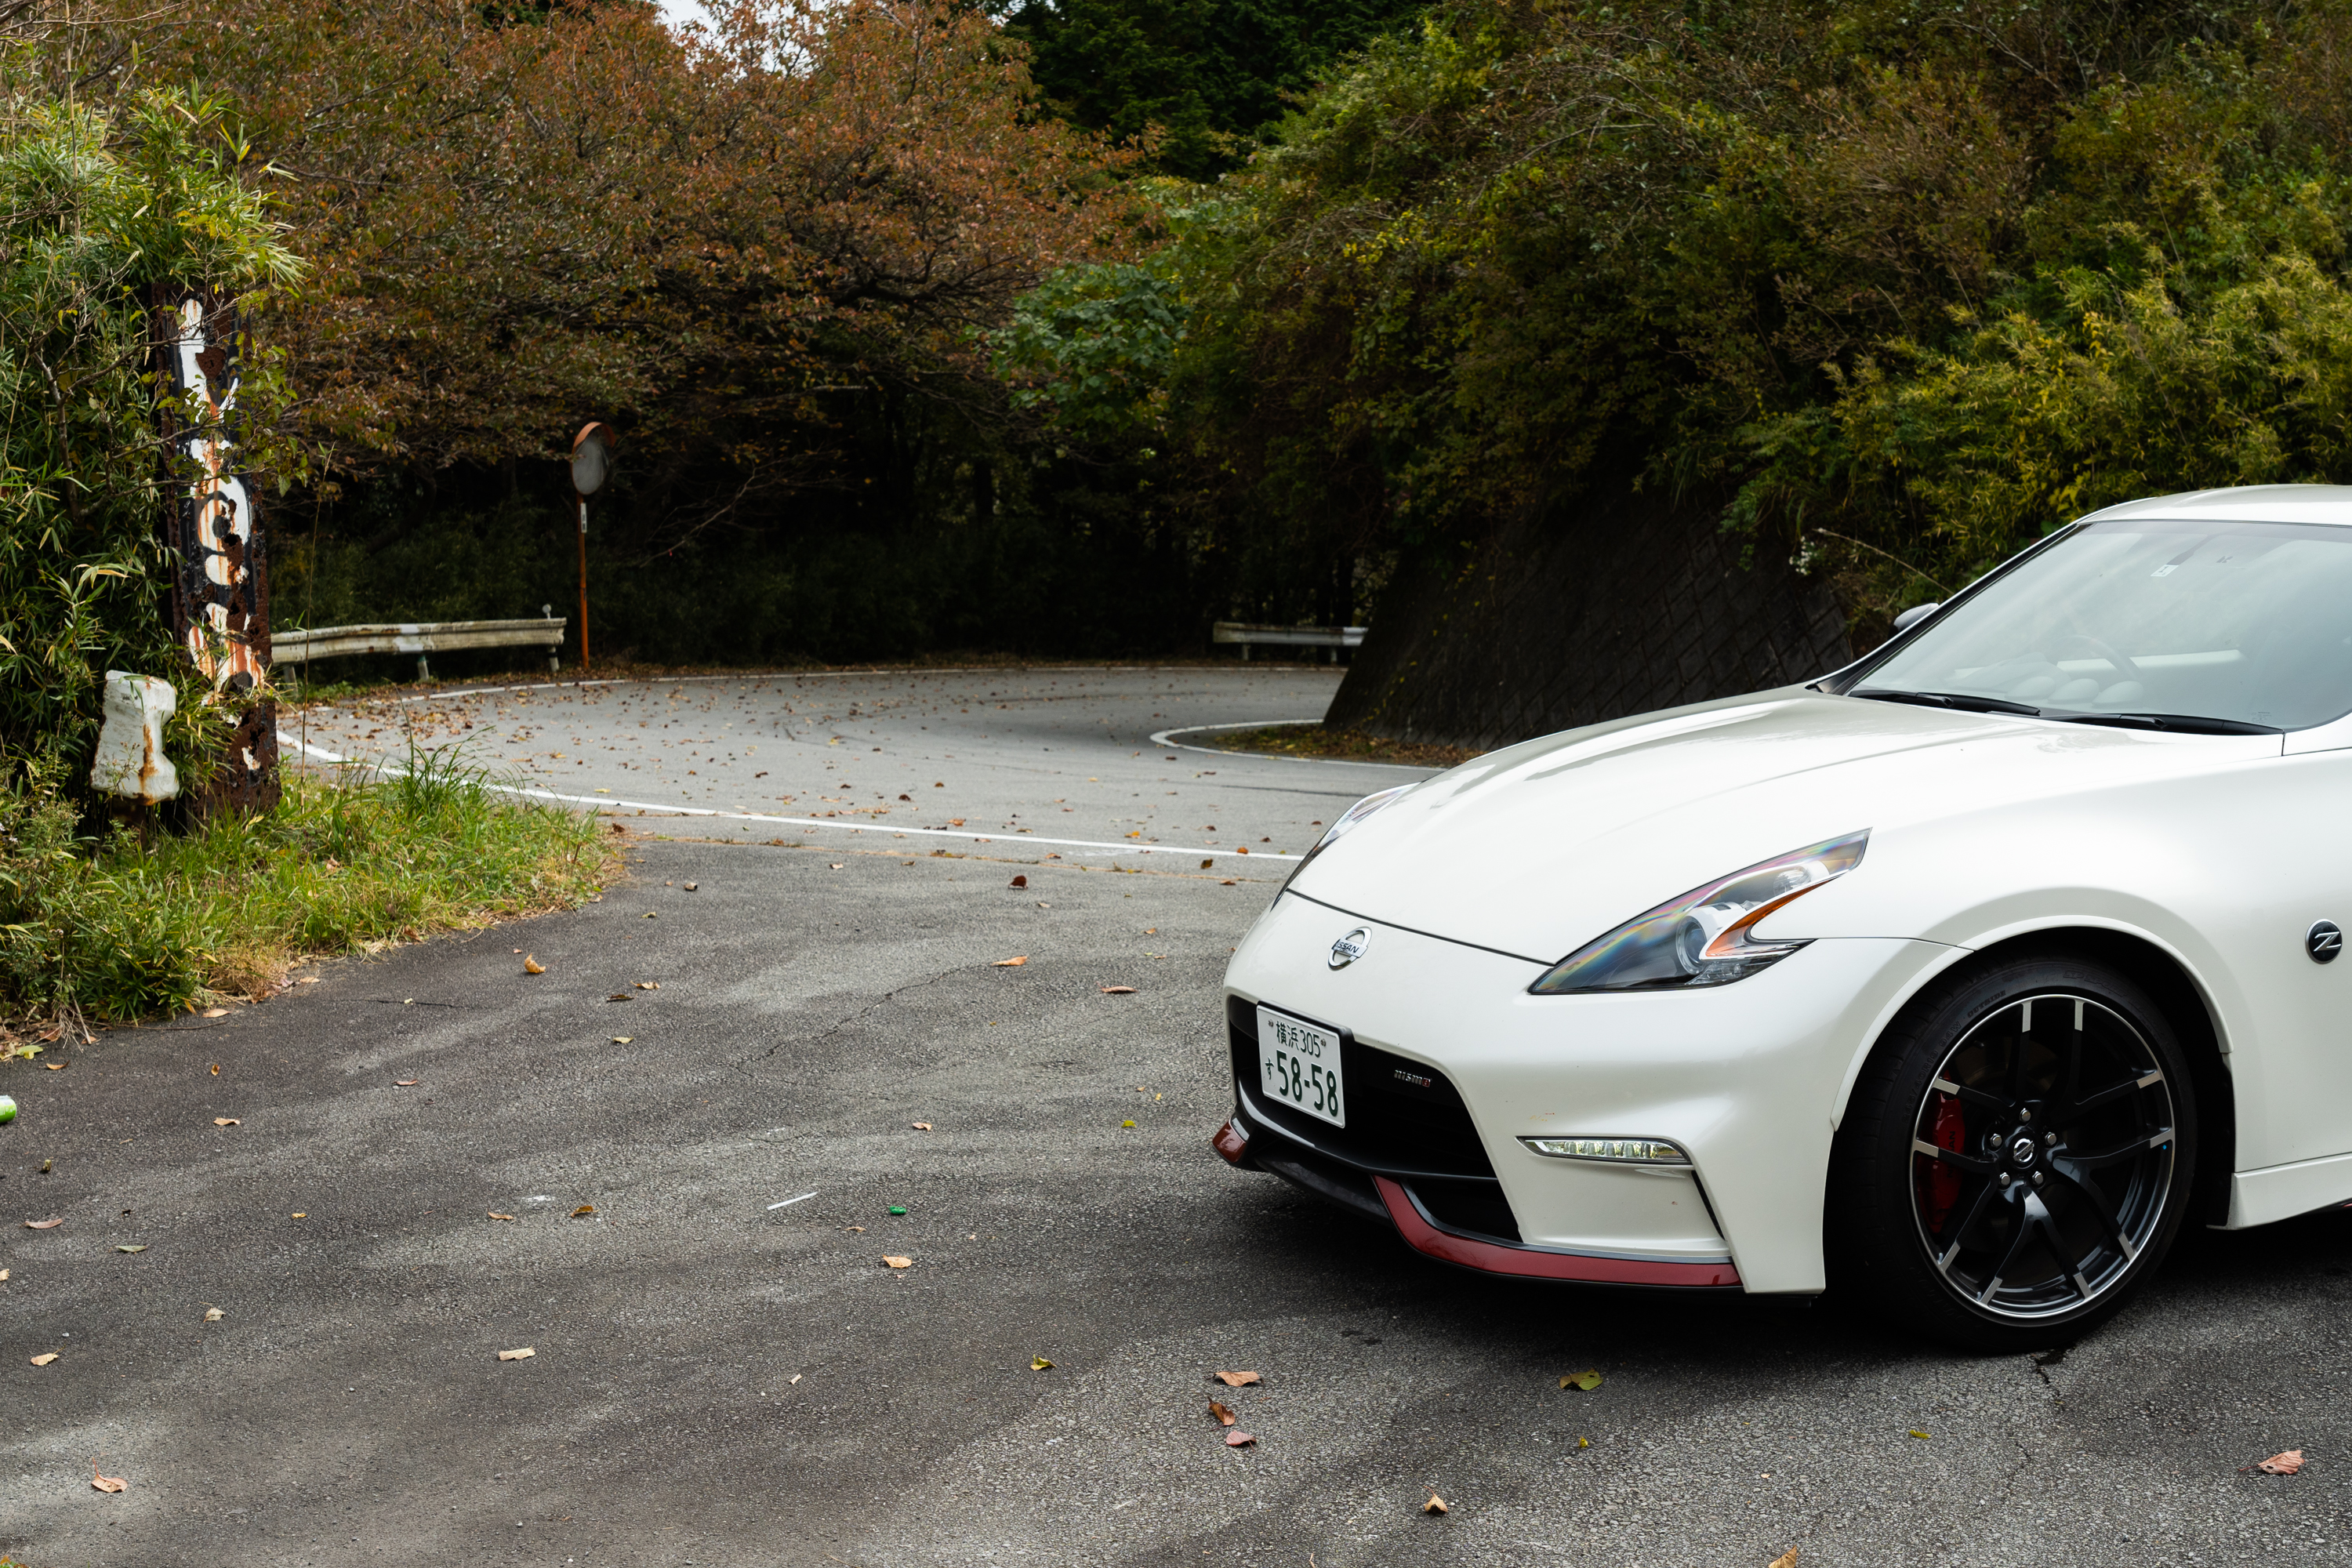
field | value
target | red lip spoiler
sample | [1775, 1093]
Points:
[1494, 1258]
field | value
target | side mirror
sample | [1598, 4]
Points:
[1915, 615]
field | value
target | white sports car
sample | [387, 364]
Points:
[1960, 978]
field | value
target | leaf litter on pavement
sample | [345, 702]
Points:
[2286, 1464]
[1236, 1379]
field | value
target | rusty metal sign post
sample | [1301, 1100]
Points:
[220, 600]
[591, 466]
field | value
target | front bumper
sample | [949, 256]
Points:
[1748, 1078]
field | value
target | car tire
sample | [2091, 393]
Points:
[2017, 1156]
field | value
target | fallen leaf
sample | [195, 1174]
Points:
[107, 1483]
[1587, 1380]
[1018, 882]
[1009, 962]
[1119, 989]
[620, 996]
[1222, 1416]
[301, 1214]
[649, 984]
[836, 865]
[2284, 1464]
[624, 1039]
[496, 1215]
[532, 966]
[55, 1067]
[523, 1354]
[213, 1314]
[1921, 1436]
[4, 1277]
[1237, 1379]
[1207, 863]
[307, 980]
[856, 1229]
[227, 1122]
[45, 1358]
[1237, 1438]
[583, 1211]
[217, 1069]
[691, 886]
[1229, 883]
[1785, 1560]
[406, 1082]
[213, 1012]
[899, 1262]
[651, 915]
[921, 1126]
[140, 1247]
[50, 1224]
[1584, 1441]
[1039, 1363]
[1435, 1505]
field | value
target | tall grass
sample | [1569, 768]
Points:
[114, 928]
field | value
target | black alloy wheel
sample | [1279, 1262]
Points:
[2018, 1155]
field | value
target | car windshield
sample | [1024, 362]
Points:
[2148, 620]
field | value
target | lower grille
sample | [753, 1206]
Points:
[1405, 1120]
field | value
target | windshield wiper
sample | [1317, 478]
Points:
[2179, 723]
[1962, 701]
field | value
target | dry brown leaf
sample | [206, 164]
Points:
[1222, 1416]
[4, 1277]
[139, 1248]
[857, 1229]
[1237, 1379]
[217, 1069]
[1009, 962]
[1228, 882]
[227, 1122]
[213, 1314]
[1237, 1438]
[301, 1214]
[1785, 1560]
[899, 1262]
[921, 1126]
[55, 1067]
[1435, 1505]
[583, 1211]
[213, 1012]
[50, 1224]
[620, 996]
[531, 965]
[523, 1354]
[45, 1358]
[2284, 1464]
[406, 1082]
[1018, 882]
[624, 1039]
[649, 984]
[496, 1215]
[1207, 863]
[107, 1483]
[1119, 989]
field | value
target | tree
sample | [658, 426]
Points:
[1211, 74]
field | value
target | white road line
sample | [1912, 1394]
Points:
[824, 675]
[643, 806]
[1162, 740]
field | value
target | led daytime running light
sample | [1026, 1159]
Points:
[1619, 1150]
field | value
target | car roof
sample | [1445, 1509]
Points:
[2246, 503]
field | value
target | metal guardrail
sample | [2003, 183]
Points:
[419, 637]
[1248, 635]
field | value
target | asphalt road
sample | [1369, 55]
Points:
[1062, 756]
[721, 1381]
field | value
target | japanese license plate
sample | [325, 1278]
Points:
[1299, 1064]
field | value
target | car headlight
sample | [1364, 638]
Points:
[1348, 819]
[1707, 936]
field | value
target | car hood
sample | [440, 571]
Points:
[1537, 849]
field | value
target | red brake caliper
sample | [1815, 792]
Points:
[1939, 1183]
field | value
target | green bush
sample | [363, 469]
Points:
[112, 928]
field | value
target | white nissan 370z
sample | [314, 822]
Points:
[1960, 979]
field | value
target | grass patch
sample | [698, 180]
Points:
[1340, 745]
[106, 929]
